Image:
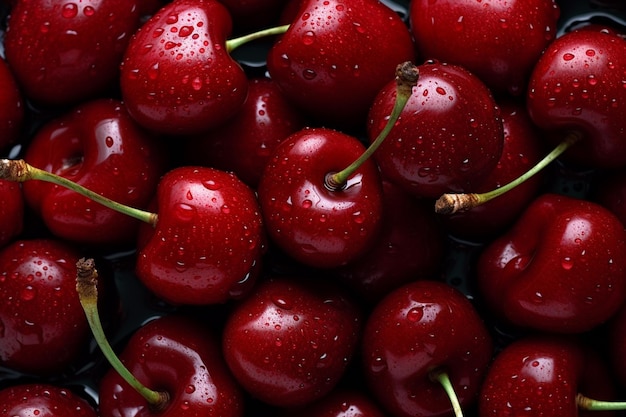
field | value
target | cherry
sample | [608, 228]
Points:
[425, 350]
[177, 75]
[532, 369]
[245, 143]
[522, 149]
[342, 402]
[11, 107]
[42, 400]
[448, 137]
[324, 62]
[410, 246]
[501, 40]
[43, 328]
[99, 146]
[289, 343]
[65, 52]
[561, 268]
[577, 85]
[11, 212]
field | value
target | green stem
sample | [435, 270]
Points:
[86, 286]
[438, 375]
[451, 203]
[235, 43]
[19, 170]
[586, 403]
[407, 75]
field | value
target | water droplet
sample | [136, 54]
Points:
[281, 302]
[153, 71]
[89, 11]
[415, 314]
[378, 364]
[28, 293]
[567, 263]
[190, 389]
[171, 19]
[590, 52]
[109, 142]
[568, 56]
[307, 204]
[225, 209]
[184, 212]
[185, 31]
[309, 74]
[592, 80]
[458, 25]
[308, 37]
[69, 10]
[440, 90]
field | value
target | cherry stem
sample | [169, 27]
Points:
[235, 43]
[451, 203]
[438, 375]
[586, 403]
[18, 170]
[86, 286]
[407, 75]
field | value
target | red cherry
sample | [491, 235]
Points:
[11, 107]
[413, 333]
[177, 75]
[43, 327]
[522, 150]
[561, 267]
[11, 211]
[99, 146]
[289, 343]
[501, 40]
[245, 143]
[410, 246]
[314, 224]
[42, 400]
[65, 52]
[578, 85]
[324, 62]
[207, 243]
[448, 137]
[180, 357]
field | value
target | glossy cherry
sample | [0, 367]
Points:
[501, 40]
[42, 400]
[289, 343]
[245, 143]
[415, 334]
[546, 376]
[448, 137]
[313, 223]
[99, 146]
[578, 86]
[181, 357]
[324, 65]
[561, 267]
[177, 75]
[65, 52]
[44, 330]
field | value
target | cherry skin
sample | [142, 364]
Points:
[448, 137]
[522, 150]
[289, 343]
[532, 369]
[181, 357]
[417, 329]
[312, 223]
[42, 400]
[43, 325]
[410, 246]
[501, 40]
[11, 211]
[99, 146]
[324, 64]
[177, 75]
[578, 85]
[207, 244]
[11, 107]
[561, 268]
[245, 143]
[64, 52]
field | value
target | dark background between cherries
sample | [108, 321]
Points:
[140, 306]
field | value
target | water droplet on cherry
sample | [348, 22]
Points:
[69, 10]
[415, 314]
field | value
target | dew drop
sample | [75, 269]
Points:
[415, 314]
[567, 263]
[89, 11]
[281, 302]
[28, 293]
[309, 74]
[307, 204]
[308, 38]
[185, 31]
[568, 56]
[592, 80]
[440, 90]
[184, 212]
[458, 25]
[590, 52]
[190, 389]
[69, 10]
[109, 142]
[378, 364]
[171, 19]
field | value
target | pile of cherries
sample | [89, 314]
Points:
[262, 259]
